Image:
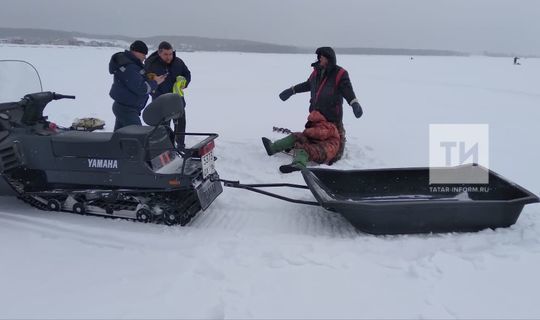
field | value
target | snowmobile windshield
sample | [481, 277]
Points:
[17, 79]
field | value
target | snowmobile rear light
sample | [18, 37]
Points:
[163, 159]
[174, 182]
[207, 148]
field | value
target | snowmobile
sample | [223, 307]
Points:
[136, 172]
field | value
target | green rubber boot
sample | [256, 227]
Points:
[300, 161]
[278, 145]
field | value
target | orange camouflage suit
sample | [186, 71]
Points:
[320, 139]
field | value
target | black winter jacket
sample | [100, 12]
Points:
[327, 95]
[176, 68]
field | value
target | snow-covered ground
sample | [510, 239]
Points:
[250, 256]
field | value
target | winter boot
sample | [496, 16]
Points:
[300, 161]
[278, 145]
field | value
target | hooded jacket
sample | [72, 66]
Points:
[320, 138]
[130, 87]
[177, 67]
[328, 87]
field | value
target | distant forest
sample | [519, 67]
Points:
[189, 43]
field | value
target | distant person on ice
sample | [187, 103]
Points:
[130, 88]
[323, 139]
[516, 60]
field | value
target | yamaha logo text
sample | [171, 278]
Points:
[103, 163]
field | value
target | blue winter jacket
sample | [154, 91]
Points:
[130, 86]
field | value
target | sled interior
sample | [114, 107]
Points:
[402, 200]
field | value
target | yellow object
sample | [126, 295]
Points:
[179, 85]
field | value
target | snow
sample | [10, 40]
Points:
[250, 256]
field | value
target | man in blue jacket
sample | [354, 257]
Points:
[130, 87]
[165, 61]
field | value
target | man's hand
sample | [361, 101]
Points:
[357, 109]
[160, 79]
[286, 94]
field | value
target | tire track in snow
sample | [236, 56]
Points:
[97, 231]
[55, 232]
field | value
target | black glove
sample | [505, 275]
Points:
[286, 94]
[357, 109]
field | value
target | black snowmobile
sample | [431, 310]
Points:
[136, 172]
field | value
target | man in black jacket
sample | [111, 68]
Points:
[130, 87]
[328, 84]
[165, 61]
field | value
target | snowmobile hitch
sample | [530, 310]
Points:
[255, 188]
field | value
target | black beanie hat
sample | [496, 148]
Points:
[139, 46]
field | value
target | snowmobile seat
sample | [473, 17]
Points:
[85, 144]
[142, 133]
[134, 132]
[136, 137]
[166, 107]
[126, 142]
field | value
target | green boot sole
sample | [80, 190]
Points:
[300, 161]
[288, 168]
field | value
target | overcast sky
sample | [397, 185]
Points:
[463, 25]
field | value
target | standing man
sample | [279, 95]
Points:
[130, 88]
[328, 84]
[165, 61]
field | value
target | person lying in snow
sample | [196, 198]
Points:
[319, 142]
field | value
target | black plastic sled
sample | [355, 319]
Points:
[402, 201]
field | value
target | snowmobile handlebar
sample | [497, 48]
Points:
[34, 103]
[42, 98]
[58, 96]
